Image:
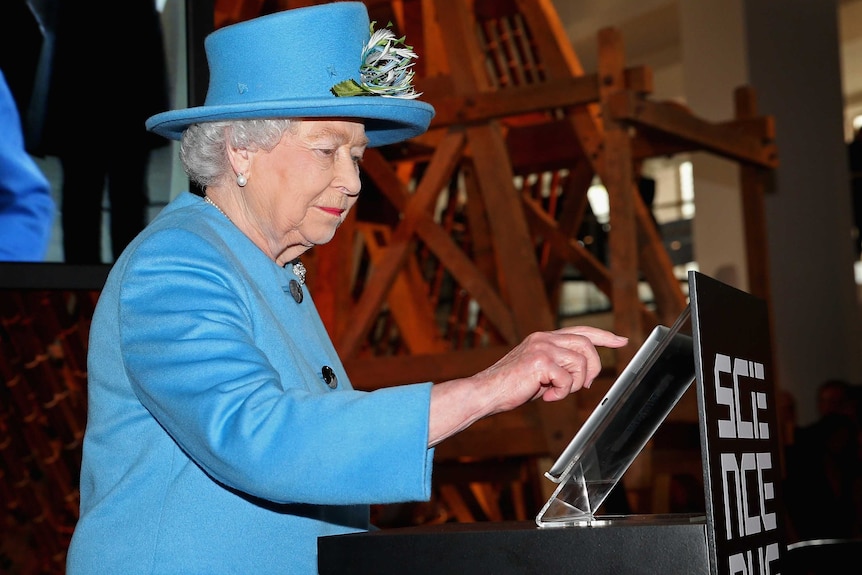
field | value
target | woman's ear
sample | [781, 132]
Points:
[240, 159]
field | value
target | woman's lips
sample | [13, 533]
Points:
[333, 211]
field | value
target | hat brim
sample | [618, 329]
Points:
[388, 120]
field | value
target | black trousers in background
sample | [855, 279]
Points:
[84, 181]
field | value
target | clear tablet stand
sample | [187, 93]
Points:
[583, 489]
[578, 496]
[617, 431]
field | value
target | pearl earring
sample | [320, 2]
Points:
[241, 180]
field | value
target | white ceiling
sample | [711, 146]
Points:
[650, 31]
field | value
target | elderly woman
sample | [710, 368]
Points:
[223, 433]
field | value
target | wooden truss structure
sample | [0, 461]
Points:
[459, 249]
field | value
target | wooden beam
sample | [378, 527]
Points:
[656, 265]
[522, 282]
[753, 181]
[480, 107]
[618, 178]
[729, 141]
[647, 143]
[457, 26]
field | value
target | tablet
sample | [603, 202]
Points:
[628, 415]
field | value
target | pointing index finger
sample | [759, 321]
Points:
[596, 335]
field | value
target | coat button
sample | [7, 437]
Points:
[295, 291]
[329, 377]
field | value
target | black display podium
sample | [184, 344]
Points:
[742, 531]
[636, 545]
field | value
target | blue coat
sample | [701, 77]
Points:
[213, 443]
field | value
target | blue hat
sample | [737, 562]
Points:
[286, 64]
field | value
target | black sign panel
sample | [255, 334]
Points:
[738, 428]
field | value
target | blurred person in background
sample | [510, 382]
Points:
[27, 209]
[108, 60]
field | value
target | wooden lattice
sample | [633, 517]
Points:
[43, 338]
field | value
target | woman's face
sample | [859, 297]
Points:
[304, 187]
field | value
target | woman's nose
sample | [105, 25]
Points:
[348, 176]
